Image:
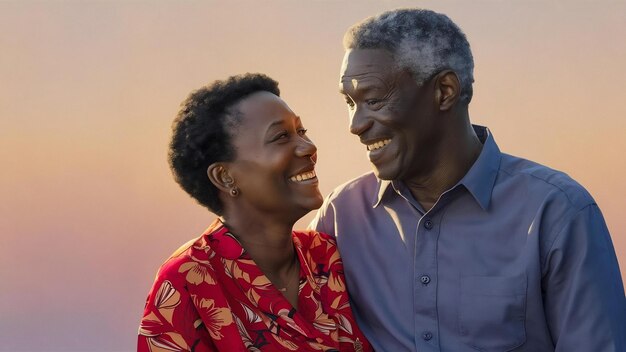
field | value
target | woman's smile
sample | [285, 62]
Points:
[304, 176]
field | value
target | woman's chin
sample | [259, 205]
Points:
[308, 205]
[316, 202]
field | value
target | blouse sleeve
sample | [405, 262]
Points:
[169, 322]
[351, 338]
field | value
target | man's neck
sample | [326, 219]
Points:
[456, 156]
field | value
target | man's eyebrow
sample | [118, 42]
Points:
[361, 88]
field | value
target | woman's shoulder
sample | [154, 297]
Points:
[321, 248]
[308, 238]
[195, 252]
[198, 249]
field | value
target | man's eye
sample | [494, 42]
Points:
[302, 131]
[372, 102]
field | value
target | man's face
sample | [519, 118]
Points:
[393, 116]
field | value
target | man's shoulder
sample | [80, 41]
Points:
[364, 185]
[540, 178]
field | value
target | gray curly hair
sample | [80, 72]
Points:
[423, 41]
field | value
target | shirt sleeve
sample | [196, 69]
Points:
[584, 294]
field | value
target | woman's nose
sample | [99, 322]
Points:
[305, 147]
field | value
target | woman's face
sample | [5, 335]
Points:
[275, 160]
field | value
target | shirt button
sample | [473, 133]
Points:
[425, 279]
[428, 224]
[427, 335]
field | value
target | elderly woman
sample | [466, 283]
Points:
[249, 282]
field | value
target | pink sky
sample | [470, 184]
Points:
[88, 90]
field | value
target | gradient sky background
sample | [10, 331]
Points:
[88, 207]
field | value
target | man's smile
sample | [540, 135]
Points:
[378, 144]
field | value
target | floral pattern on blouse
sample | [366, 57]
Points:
[211, 296]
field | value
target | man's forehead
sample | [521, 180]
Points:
[362, 75]
[361, 82]
[355, 83]
[347, 84]
[361, 66]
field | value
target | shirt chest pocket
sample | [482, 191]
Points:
[492, 312]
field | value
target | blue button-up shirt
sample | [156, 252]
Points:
[514, 257]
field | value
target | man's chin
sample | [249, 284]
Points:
[385, 173]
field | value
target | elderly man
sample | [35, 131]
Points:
[451, 245]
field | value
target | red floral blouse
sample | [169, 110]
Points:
[211, 296]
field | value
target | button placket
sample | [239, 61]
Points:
[426, 294]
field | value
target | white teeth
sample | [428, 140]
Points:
[378, 144]
[303, 176]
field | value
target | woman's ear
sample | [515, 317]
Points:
[447, 89]
[220, 177]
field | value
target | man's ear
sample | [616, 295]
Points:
[447, 89]
[220, 177]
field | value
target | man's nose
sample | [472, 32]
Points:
[359, 122]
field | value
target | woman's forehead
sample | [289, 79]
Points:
[262, 111]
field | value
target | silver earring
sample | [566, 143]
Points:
[234, 191]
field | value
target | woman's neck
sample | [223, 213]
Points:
[267, 241]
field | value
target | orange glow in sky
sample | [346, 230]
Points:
[88, 90]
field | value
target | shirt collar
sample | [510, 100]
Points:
[382, 188]
[219, 238]
[480, 178]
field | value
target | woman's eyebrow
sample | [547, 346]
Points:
[275, 123]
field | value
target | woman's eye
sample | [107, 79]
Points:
[302, 131]
[280, 136]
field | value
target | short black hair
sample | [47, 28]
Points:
[202, 133]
